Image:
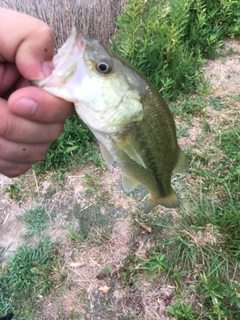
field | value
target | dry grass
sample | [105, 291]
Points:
[224, 73]
[95, 18]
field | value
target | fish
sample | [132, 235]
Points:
[128, 116]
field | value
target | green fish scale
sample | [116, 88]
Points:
[154, 138]
[158, 140]
[152, 166]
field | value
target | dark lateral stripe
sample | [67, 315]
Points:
[152, 162]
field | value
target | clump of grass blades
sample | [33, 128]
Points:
[36, 220]
[167, 40]
[27, 275]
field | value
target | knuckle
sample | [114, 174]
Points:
[41, 151]
[2, 69]
[47, 30]
[4, 81]
[6, 128]
[54, 132]
[58, 131]
[4, 148]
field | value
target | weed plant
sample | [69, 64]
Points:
[14, 192]
[168, 40]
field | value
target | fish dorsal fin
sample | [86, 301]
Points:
[170, 201]
[106, 155]
[128, 183]
[181, 163]
[131, 152]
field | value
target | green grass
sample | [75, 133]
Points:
[188, 106]
[36, 220]
[75, 147]
[182, 311]
[230, 143]
[28, 274]
[14, 192]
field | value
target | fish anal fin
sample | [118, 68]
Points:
[128, 183]
[170, 201]
[106, 155]
[181, 163]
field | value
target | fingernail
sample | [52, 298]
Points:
[47, 68]
[25, 107]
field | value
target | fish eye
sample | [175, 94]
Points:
[104, 67]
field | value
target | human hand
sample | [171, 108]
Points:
[30, 118]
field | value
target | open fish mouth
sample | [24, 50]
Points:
[68, 59]
[71, 50]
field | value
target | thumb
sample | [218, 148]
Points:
[28, 42]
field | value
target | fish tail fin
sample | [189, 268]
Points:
[170, 201]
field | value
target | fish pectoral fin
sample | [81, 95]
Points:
[132, 153]
[107, 157]
[128, 183]
[170, 201]
[181, 163]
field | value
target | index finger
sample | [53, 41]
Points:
[26, 41]
[48, 109]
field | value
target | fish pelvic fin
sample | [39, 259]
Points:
[170, 201]
[107, 157]
[181, 163]
[128, 183]
[131, 152]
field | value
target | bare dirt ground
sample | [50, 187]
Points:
[224, 73]
[90, 292]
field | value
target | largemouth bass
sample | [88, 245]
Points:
[125, 112]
